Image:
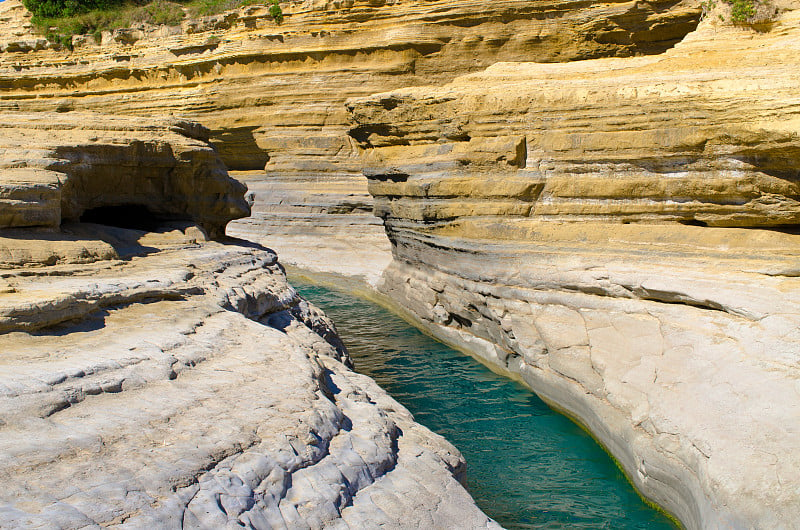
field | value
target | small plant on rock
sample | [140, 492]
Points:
[276, 12]
[751, 12]
[708, 6]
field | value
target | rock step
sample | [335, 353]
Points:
[175, 407]
[29, 197]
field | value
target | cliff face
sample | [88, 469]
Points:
[150, 378]
[603, 230]
[274, 95]
[62, 167]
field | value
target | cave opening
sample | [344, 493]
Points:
[692, 222]
[131, 216]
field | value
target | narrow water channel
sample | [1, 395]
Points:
[527, 466]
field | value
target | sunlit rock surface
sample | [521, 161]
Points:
[622, 235]
[191, 386]
[58, 167]
[273, 95]
[151, 378]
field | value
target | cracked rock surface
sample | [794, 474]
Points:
[190, 386]
[621, 234]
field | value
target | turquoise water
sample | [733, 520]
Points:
[527, 466]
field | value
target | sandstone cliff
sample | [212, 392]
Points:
[62, 167]
[275, 95]
[153, 379]
[603, 231]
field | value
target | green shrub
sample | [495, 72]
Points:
[276, 12]
[212, 7]
[61, 29]
[59, 20]
[66, 8]
[752, 12]
[742, 10]
[163, 12]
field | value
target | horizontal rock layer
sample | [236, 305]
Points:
[537, 215]
[60, 167]
[705, 134]
[322, 224]
[274, 94]
[191, 386]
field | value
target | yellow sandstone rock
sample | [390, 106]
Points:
[273, 95]
[58, 167]
[568, 262]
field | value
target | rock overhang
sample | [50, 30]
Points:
[54, 167]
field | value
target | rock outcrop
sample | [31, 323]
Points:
[192, 386]
[275, 95]
[154, 379]
[17, 33]
[621, 234]
[64, 167]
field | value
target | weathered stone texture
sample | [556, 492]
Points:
[273, 96]
[275, 92]
[538, 217]
[191, 386]
[150, 378]
[56, 167]
[16, 30]
[704, 134]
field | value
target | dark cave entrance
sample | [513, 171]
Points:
[131, 216]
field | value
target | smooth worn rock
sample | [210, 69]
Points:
[62, 167]
[319, 224]
[605, 231]
[189, 385]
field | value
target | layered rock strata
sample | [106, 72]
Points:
[606, 232]
[273, 94]
[155, 379]
[17, 33]
[227, 70]
[62, 167]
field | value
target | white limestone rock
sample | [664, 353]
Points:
[190, 386]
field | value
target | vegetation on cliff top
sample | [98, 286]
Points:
[744, 12]
[59, 20]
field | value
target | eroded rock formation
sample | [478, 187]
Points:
[62, 167]
[545, 218]
[154, 379]
[192, 386]
[274, 94]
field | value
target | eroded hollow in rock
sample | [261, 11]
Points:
[132, 216]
